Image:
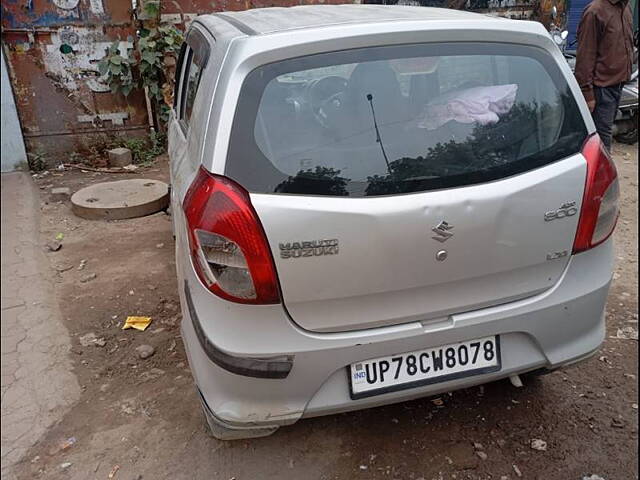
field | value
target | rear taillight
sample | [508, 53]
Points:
[228, 246]
[600, 203]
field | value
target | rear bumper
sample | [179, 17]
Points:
[560, 326]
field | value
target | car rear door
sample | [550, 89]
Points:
[393, 262]
[392, 219]
[187, 124]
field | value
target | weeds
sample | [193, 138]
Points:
[37, 161]
[96, 154]
[76, 157]
[144, 150]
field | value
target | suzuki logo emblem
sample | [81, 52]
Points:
[442, 231]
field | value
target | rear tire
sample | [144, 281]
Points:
[628, 138]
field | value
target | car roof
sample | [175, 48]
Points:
[260, 21]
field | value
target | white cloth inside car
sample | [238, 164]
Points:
[482, 105]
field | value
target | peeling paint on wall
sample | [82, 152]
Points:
[178, 18]
[117, 118]
[87, 46]
[96, 7]
[66, 4]
[53, 48]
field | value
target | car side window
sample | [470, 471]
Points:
[179, 77]
[193, 81]
[195, 59]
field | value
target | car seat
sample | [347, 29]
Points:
[379, 80]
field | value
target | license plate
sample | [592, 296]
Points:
[423, 367]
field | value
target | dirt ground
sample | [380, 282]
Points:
[141, 418]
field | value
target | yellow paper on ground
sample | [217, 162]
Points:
[139, 323]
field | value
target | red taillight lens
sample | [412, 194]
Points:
[228, 246]
[600, 203]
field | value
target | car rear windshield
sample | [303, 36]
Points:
[401, 119]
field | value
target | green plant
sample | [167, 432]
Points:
[155, 44]
[145, 150]
[37, 161]
[76, 157]
[96, 153]
[118, 70]
[151, 8]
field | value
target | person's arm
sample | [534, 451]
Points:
[586, 55]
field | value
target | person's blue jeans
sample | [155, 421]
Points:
[607, 101]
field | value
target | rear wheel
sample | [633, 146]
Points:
[629, 138]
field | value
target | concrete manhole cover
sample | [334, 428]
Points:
[120, 199]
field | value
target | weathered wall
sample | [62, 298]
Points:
[12, 152]
[172, 10]
[62, 103]
[538, 10]
[53, 47]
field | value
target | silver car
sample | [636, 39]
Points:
[373, 204]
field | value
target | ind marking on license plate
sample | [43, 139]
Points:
[422, 367]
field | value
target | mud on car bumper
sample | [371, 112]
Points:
[556, 328]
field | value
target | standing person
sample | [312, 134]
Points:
[604, 59]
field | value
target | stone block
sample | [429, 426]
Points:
[120, 157]
[60, 194]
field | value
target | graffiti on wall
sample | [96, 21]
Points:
[53, 48]
[73, 55]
